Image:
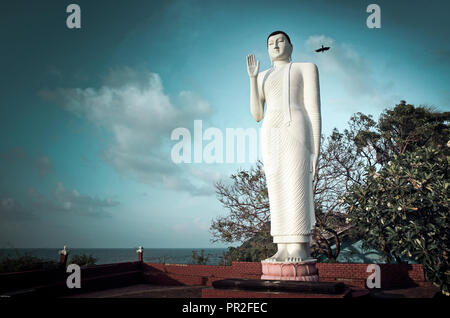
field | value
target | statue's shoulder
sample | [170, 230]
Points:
[306, 66]
[263, 73]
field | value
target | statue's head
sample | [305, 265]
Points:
[279, 46]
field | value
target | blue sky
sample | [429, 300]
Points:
[86, 115]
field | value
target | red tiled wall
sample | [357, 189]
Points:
[202, 274]
[351, 274]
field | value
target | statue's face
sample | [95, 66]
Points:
[279, 48]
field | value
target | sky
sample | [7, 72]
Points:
[86, 115]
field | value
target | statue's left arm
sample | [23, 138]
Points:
[312, 105]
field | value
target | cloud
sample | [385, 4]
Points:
[183, 184]
[201, 182]
[43, 165]
[62, 200]
[343, 61]
[10, 209]
[13, 155]
[134, 108]
[201, 224]
[33, 204]
[191, 226]
[16, 167]
[179, 228]
[442, 56]
[352, 76]
[19, 160]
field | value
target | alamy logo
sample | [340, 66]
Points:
[374, 279]
[74, 279]
[208, 146]
[374, 19]
[73, 21]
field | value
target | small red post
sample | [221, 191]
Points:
[63, 256]
[140, 253]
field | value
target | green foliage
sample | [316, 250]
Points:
[246, 199]
[400, 130]
[225, 259]
[26, 262]
[403, 210]
[256, 249]
[349, 165]
[331, 260]
[83, 260]
[199, 259]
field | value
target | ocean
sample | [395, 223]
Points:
[119, 255]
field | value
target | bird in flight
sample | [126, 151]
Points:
[323, 49]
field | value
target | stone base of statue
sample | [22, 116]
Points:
[258, 288]
[298, 271]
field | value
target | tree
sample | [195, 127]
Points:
[248, 220]
[340, 166]
[344, 159]
[83, 260]
[259, 247]
[200, 259]
[400, 130]
[247, 201]
[26, 262]
[403, 210]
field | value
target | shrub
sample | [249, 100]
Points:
[199, 259]
[403, 210]
[83, 260]
[26, 262]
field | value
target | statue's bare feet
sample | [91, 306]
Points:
[298, 252]
[292, 253]
[280, 255]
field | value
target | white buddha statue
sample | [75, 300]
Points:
[290, 143]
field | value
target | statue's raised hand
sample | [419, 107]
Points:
[252, 66]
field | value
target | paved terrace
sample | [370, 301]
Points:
[152, 280]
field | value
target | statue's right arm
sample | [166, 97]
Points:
[256, 98]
